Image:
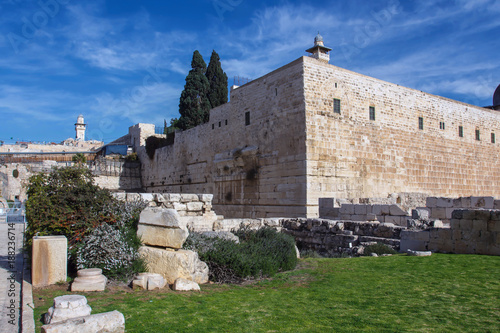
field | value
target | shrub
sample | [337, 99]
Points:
[67, 202]
[79, 158]
[113, 250]
[132, 157]
[379, 249]
[260, 253]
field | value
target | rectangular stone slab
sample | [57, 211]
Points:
[49, 260]
[163, 237]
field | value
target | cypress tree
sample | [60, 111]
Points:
[194, 105]
[218, 81]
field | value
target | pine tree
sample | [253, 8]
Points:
[194, 105]
[218, 81]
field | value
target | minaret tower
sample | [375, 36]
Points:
[319, 50]
[80, 128]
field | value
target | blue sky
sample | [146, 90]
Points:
[123, 62]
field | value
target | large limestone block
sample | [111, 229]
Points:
[67, 307]
[49, 260]
[185, 285]
[107, 322]
[174, 264]
[162, 227]
[149, 281]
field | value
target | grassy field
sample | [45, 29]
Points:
[441, 293]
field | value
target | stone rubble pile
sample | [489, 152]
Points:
[163, 233]
[71, 314]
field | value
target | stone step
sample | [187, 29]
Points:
[388, 241]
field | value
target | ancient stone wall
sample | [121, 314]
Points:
[278, 145]
[349, 155]
[473, 231]
[250, 155]
[111, 174]
[194, 209]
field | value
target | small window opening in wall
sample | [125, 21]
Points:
[247, 118]
[372, 113]
[478, 135]
[335, 84]
[441, 125]
[461, 131]
[493, 138]
[226, 122]
[420, 123]
[213, 126]
[276, 91]
[219, 123]
[336, 105]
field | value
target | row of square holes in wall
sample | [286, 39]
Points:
[247, 121]
[460, 130]
[371, 110]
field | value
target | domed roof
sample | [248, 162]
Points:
[318, 38]
[496, 96]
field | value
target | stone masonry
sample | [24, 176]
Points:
[472, 231]
[278, 146]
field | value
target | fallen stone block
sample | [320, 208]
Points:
[419, 253]
[182, 284]
[174, 264]
[108, 322]
[421, 213]
[149, 281]
[67, 307]
[162, 227]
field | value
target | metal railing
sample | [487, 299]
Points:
[12, 212]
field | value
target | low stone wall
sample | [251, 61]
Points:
[388, 213]
[327, 237]
[117, 175]
[194, 209]
[471, 232]
[442, 208]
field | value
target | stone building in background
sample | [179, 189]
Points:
[311, 130]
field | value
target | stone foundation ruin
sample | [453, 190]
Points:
[346, 227]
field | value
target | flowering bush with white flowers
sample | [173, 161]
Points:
[114, 248]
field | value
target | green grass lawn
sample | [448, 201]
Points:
[441, 293]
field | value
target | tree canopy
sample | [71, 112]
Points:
[194, 105]
[218, 81]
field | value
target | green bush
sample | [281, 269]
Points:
[260, 253]
[79, 158]
[98, 227]
[65, 202]
[379, 249]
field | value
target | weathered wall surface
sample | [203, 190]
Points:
[471, 232]
[349, 155]
[113, 175]
[253, 170]
[296, 149]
